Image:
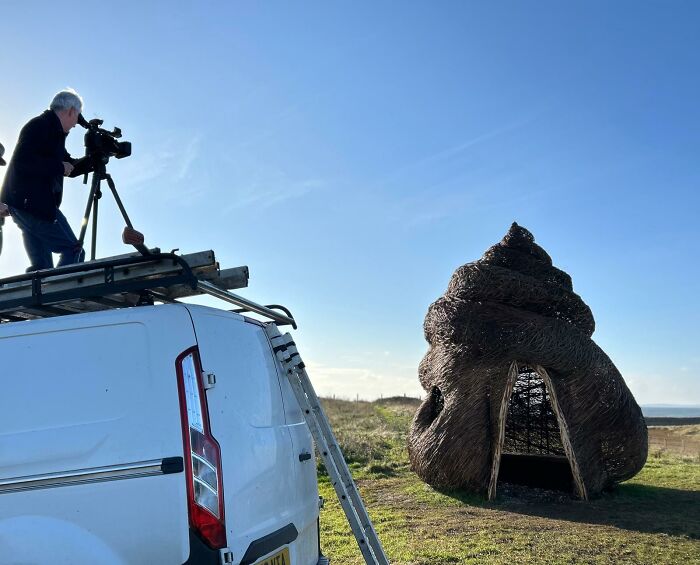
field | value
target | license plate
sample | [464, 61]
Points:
[279, 558]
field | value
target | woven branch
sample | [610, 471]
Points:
[513, 307]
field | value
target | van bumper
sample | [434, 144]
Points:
[200, 553]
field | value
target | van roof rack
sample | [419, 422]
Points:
[127, 280]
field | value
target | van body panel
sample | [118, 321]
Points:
[93, 416]
[90, 391]
[137, 521]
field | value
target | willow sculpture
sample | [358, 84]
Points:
[516, 386]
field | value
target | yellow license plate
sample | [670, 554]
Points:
[279, 558]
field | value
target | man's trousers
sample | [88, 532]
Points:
[42, 238]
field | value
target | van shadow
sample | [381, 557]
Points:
[640, 508]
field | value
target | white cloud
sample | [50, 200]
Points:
[265, 194]
[430, 161]
[351, 382]
[654, 388]
[171, 160]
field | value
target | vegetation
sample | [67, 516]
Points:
[653, 518]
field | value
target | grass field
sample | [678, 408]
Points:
[653, 518]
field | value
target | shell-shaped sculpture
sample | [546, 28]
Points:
[516, 386]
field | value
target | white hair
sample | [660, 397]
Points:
[67, 99]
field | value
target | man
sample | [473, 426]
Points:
[33, 187]
[3, 207]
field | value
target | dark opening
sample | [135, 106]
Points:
[533, 454]
[437, 402]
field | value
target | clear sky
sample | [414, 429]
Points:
[353, 155]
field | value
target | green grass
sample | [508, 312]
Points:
[653, 518]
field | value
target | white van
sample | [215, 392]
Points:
[152, 435]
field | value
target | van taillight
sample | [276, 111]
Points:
[205, 495]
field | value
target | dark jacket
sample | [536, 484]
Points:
[34, 178]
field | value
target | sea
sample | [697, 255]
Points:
[670, 411]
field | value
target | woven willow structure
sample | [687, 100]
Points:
[513, 376]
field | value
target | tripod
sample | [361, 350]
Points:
[130, 235]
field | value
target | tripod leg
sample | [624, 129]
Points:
[113, 188]
[94, 230]
[139, 246]
[94, 188]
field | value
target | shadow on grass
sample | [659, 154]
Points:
[634, 507]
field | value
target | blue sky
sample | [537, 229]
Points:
[353, 155]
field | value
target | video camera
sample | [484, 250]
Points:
[100, 145]
[103, 144]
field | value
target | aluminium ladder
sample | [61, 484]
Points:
[345, 487]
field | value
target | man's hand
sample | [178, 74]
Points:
[67, 168]
[4, 210]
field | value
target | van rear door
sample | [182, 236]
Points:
[265, 513]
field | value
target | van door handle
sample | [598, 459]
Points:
[304, 456]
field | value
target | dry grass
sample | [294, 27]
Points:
[676, 440]
[654, 518]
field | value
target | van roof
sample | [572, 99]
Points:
[106, 317]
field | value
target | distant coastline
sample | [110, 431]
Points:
[670, 411]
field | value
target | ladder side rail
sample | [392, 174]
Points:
[334, 446]
[37, 280]
[345, 475]
[122, 261]
[331, 464]
[324, 446]
[47, 298]
[116, 287]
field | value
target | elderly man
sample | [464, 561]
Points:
[33, 187]
[4, 211]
